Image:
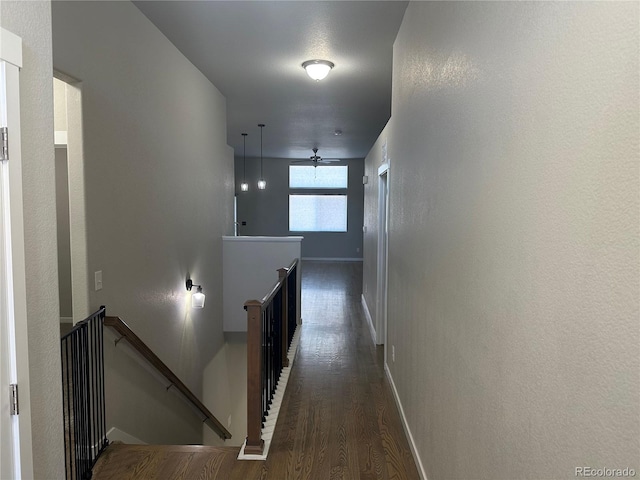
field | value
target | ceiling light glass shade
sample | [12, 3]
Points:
[197, 300]
[262, 184]
[317, 69]
[244, 187]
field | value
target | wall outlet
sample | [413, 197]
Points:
[358, 250]
[97, 277]
[393, 353]
[229, 422]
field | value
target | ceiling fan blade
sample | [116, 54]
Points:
[330, 160]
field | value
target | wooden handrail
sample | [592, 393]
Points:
[123, 329]
[283, 274]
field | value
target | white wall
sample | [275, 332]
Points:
[62, 198]
[32, 22]
[63, 233]
[159, 192]
[250, 268]
[514, 253]
[225, 389]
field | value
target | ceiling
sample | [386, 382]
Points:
[253, 51]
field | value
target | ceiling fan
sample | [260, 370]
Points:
[316, 159]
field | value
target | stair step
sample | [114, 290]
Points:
[122, 461]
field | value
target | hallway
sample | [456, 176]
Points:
[338, 419]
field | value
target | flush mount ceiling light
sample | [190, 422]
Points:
[318, 69]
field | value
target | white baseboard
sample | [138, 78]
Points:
[116, 435]
[331, 259]
[407, 430]
[369, 319]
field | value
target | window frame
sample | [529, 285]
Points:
[315, 191]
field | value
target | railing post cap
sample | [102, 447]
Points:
[253, 303]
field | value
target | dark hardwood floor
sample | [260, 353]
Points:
[338, 419]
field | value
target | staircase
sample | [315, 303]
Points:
[121, 462]
[271, 347]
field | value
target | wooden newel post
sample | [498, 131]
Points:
[282, 276]
[255, 444]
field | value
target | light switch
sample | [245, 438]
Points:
[98, 280]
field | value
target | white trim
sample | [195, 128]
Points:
[405, 425]
[292, 239]
[66, 319]
[16, 252]
[116, 435]
[382, 256]
[367, 314]
[77, 201]
[60, 138]
[332, 259]
[10, 48]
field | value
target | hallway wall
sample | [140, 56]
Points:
[514, 253]
[159, 185]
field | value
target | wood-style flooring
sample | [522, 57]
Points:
[338, 418]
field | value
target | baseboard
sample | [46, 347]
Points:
[331, 259]
[405, 425]
[116, 435]
[369, 319]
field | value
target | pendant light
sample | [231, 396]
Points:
[262, 184]
[244, 186]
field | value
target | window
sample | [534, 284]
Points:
[318, 177]
[318, 198]
[318, 213]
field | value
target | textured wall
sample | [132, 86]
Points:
[32, 22]
[514, 280]
[159, 186]
[267, 212]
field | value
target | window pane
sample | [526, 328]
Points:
[318, 177]
[318, 213]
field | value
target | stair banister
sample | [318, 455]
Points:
[125, 332]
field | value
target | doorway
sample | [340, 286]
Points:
[383, 240]
[73, 274]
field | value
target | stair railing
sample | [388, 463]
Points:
[126, 333]
[271, 325]
[83, 403]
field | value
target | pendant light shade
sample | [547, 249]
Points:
[244, 186]
[262, 184]
[197, 299]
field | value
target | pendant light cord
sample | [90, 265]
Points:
[244, 158]
[261, 127]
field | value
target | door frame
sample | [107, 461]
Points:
[383, 250]
[14, 315]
